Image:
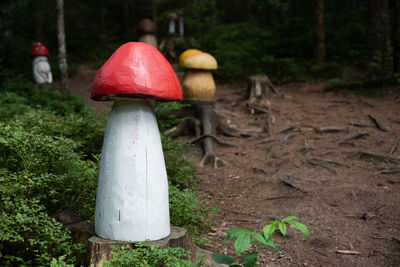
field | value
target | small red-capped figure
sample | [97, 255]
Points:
[173, 17]
[132, 193]
[41, 67]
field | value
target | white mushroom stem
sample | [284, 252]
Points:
[41, 70]
[132, 194]
[149, 39]
[171, 27]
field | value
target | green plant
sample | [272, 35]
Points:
[29, 236]
[243, 241]
[150, 256]
[189, 211]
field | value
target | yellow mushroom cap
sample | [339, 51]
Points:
[202, 61]
[187, 53]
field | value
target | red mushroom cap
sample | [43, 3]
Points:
[136, 70]
[173, 16]
[38, 49]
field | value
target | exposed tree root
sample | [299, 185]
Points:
[205, 123]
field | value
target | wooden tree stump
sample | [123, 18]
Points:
[100, 249]
[260, 90]
[258, 96]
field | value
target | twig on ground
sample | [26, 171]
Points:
[317, 160]
[358, 124]
[394, 147]
[347, 252]
[340, 101]
[291, 184]
[196, 139]
[369, 155]
[287, 129]
[351, 137]
[389, 171]
[319, 252]
[377, 124]
[266, 141]
[333, 129]
[279, 197]
[366, 103]
[254, 108]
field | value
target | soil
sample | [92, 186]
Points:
[348, 199]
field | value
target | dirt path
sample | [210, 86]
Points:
[348, 199]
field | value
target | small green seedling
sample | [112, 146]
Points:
[245, 238]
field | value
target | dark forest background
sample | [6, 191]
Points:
[288, 40]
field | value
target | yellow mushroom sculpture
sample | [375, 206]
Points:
[187, 53]
[198, 82]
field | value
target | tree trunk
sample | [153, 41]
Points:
[62, 51]
[38, 18]
[319, 31]
[396, 36]
[6, 23]
[378, 33]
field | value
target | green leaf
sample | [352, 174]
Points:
[259, 237]
[271, 244]
[242, 242]
[289, 218]
[282, 228]
[235, 232]
[300, 227]
[250, 259]
[235, 265]
[268, 230]
[222, 259]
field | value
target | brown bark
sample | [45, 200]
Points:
[259, 90]
[319, 31]
[396, 36]
[38, 18]
[62, 51]
[378, 33]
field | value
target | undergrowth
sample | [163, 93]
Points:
[148, 256]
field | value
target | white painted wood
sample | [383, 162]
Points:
[41, 70]
[171, 27]
[132, 194]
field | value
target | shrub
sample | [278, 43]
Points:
[28, 235]
[150, 256]
[189, 211]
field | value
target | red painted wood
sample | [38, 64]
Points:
[136, 70]
[38, 49]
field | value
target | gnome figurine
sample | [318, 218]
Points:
[41, 67]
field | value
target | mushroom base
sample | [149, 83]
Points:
[198, 84]
[132, 194]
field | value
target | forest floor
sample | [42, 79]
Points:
[327, 163]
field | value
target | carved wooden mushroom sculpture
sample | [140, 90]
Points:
[132, 194]
[187, 53]
[40, 65]
[198, 83]
[146, 31]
